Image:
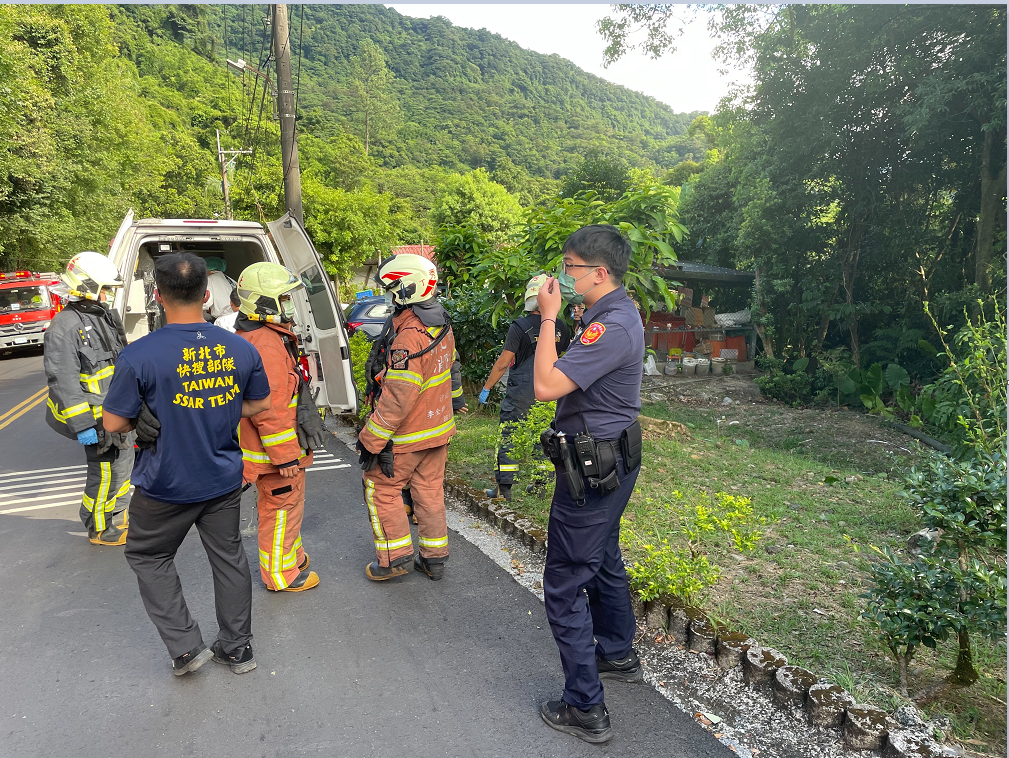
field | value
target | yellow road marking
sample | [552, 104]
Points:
[22, 412]
[25, 402]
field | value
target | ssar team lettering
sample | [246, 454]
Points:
[203, 361]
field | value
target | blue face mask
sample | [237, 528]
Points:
[567, 284]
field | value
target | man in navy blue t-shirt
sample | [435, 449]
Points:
[185, 387]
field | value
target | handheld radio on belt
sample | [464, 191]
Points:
[584, 458]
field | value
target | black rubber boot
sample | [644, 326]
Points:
[592, 725]
[240, 664]
[626, 669]
[433, 567]
[192, 660]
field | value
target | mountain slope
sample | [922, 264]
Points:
[467, 97]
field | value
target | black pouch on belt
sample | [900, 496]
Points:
[630, 446]
[606, 458]
[549, 443]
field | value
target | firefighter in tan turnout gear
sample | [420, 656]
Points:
[81, 346]
[405, 440]
[277, 444]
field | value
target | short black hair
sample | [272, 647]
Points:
[235, 299]
[181, 278]
[603, 245]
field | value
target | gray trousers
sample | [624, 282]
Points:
[156, 531]
[107, 487]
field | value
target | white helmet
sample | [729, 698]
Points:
[87, 273]
[408, 278]
[532, 290]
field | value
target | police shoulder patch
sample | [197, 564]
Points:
[398, 359]
[592, 333]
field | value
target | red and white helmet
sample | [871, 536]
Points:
[408, 278]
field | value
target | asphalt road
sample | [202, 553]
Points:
[351, 668]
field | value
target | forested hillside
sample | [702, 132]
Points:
[108, 107]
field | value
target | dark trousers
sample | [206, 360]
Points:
[156, 531]
[585, 585]
[518, 398]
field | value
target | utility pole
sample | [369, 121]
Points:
[285, 105]
[224, 170]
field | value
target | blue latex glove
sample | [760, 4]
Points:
[484, 394]
[88, 436]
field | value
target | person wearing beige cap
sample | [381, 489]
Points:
[516, 357]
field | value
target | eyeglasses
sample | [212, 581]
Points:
[567, 266]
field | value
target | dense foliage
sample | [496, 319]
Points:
[862, 174]
[109, 107]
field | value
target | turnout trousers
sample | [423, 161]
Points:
[156, 531]
[585, 586]
[424, 471]
[280, 507]
[519, 397]
[106, 487]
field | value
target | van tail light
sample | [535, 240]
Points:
[353, 326]
[303, 365]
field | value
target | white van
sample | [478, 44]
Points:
[319, 323]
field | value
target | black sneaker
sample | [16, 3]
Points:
[242, 663]
[192, 660]
[624, 670]
[592, 725]
[433, 567]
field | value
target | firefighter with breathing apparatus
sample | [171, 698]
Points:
[81, 346]
[412, 380]
[277, 443]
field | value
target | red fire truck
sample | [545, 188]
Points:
[27, 305]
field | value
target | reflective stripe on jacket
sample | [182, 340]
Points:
[80, 352]
[271, 437]
[415, 407]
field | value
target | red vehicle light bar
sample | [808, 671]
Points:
[17, 275]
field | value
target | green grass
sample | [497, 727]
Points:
[821, 489]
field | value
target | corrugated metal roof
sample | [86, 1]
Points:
[701, 272]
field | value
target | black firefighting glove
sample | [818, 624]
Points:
[383, 459]
[386, 458]
[108, 440]
[311, 432]
[148, 428]
[368, 459]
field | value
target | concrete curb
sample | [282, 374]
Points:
[497, 513]
[862, 727]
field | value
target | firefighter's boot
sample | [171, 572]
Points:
[378, 573]
[500, 492]
[113, 536]
[306, 580]
[433, 567]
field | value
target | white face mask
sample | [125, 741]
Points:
[287, 308]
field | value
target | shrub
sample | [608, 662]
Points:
[683, 571]
[476, 338]
[360, 347]
[967, 403]
[959, 587]
[792, 388]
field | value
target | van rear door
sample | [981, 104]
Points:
[325, 334]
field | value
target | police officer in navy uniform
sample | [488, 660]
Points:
[597, 386]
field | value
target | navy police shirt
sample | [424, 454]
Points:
[194, 378]
[605, 362]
